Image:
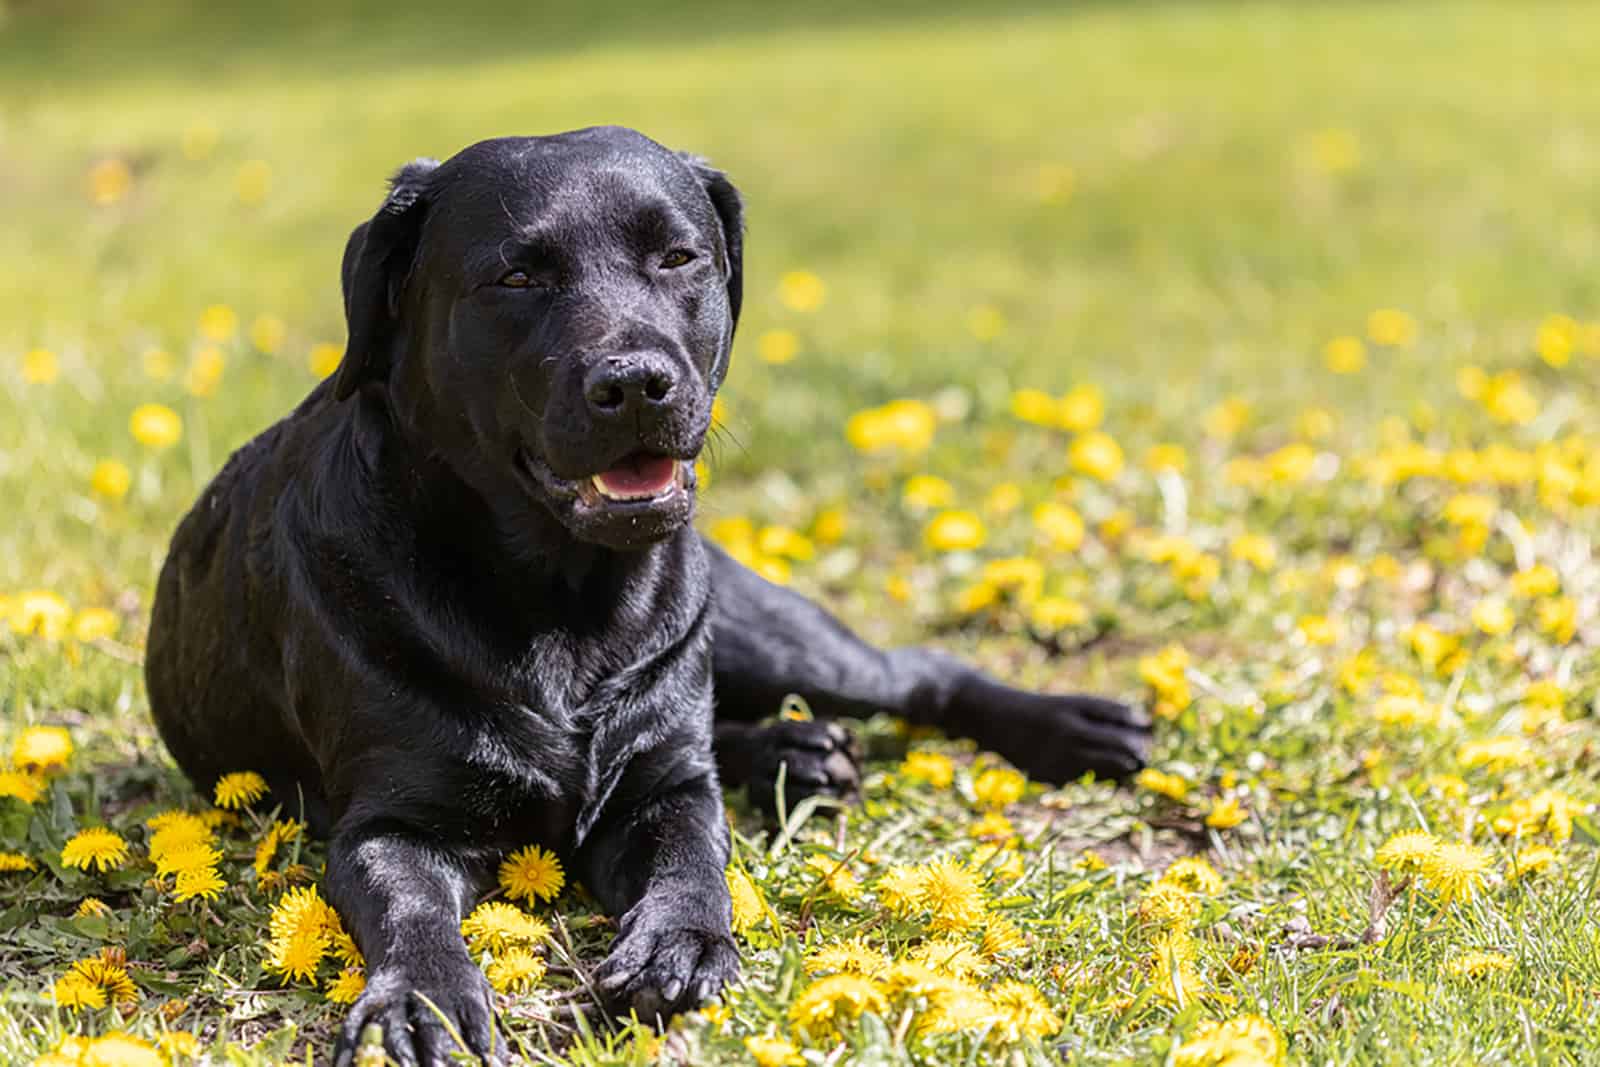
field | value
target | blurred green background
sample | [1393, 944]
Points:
[1174, 201]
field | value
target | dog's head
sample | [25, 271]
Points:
[551, 317]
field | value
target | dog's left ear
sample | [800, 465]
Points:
[376, 260]
[730, 211]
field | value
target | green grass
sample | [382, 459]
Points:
[1206, 250]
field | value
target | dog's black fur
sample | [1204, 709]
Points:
[407, 607]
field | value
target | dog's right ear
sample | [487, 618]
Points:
[377, 259]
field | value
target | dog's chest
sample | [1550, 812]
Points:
[543, 764]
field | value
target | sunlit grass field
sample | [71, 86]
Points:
[1238, 359]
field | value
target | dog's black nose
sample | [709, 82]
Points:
[621, 386]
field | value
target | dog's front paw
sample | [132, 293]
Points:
[1065, 736]
[659, 967]
[815, 758]
[423, 1009]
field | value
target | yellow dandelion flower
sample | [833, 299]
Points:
[1055, 613]
[252, 182]
[998, 787]
[773, 1051]
[993, 826]
[1534, 582]
[95, 624]
[957, 1008]
[11, 862]
[180, 1045]
[155, 426]
[955, 531]
[347, 987]
[72, 990]
[1081, 408]
[783, 541]
[324, 358]
[1477, 964]
[515, 970]
[1195, 874]
[1391, 328]
[1318, 630]
[42, 748]
[1557, 618]
[1035, 406]
[1096, 454]
[278, 834]
[186, 857]
[1226, 813]
[801, 290]
[96, 847]
[120, 1050]
[853, 956]
[836, 876]
[748, 906]
[829, 525]
[203, 882]
[1407, 852]
[530, 873]
[1254, 549]
[1456, 871]
[1495, 754]
[932, 768]
[495, 926]
[904, 425]
[1058, 526]
[40, 613]
[40, 366]
[1547, 811]
[1023, 1013]
[1000, 937]
[950, 956]
[1170, 966]
[106, 972]
[239, 790]
[92, 908]
[1345, 355]
[1171, 786]
[109, 181]
[1493, 616]
[267, 333]
[1532, 860]
[298, 955]
[953, 894]
[827, 1004]
[21, 785]
[1169, 905]
[1246, 1041]
[777, 346]
[899, 890]
[924, 492]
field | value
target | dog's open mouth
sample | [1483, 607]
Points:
[639, 476]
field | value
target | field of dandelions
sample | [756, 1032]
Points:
[1239, 360]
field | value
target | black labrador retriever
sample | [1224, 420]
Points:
[453, 603]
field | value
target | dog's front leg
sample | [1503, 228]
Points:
[660, 865]
[402, 899]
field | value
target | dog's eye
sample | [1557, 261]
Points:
[517, 279]
[676, 258]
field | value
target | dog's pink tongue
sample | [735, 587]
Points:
[638, 475]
